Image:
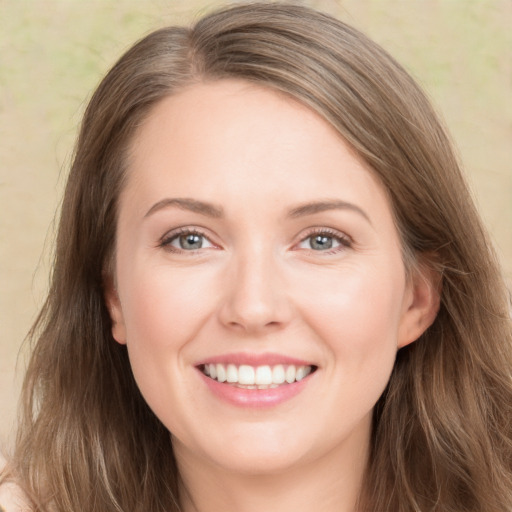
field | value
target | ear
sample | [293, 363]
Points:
[115, 310]
[421, 305]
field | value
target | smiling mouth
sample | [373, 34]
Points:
[257, 377]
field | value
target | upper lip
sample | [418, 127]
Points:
[244, 358]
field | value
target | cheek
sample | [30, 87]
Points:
[356, 312]
[163, 306]
[164, 309]
[354, 316]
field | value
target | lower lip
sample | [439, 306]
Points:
[254, 398]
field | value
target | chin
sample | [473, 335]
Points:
[258, 450]
[253, 462]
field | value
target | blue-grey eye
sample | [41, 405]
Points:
[324, 241]
[187, 241]
[190, 241]
[321, 242]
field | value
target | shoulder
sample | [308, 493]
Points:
[11, 496]
[12, 499]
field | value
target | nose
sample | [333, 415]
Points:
[255, 299]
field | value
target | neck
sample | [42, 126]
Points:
[331, 484]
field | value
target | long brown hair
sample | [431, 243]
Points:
[442, 433]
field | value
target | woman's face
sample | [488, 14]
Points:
[260, 287]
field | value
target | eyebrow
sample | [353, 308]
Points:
[192, 205]
[214, 211]
[323, 206]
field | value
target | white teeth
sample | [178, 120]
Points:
[278, 374]
[221, 373]
[290, 374]
[232, 373]
[263, 375]
[245, 374]
[260, 377]
[302, 372]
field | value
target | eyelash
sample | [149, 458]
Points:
[344, 241]
[168, 238]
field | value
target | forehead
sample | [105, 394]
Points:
[233, 140]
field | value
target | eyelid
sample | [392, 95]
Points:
[165, 241]
[344, 239]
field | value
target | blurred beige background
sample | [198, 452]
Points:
[54, 52]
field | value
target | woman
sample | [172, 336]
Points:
[271, 289]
